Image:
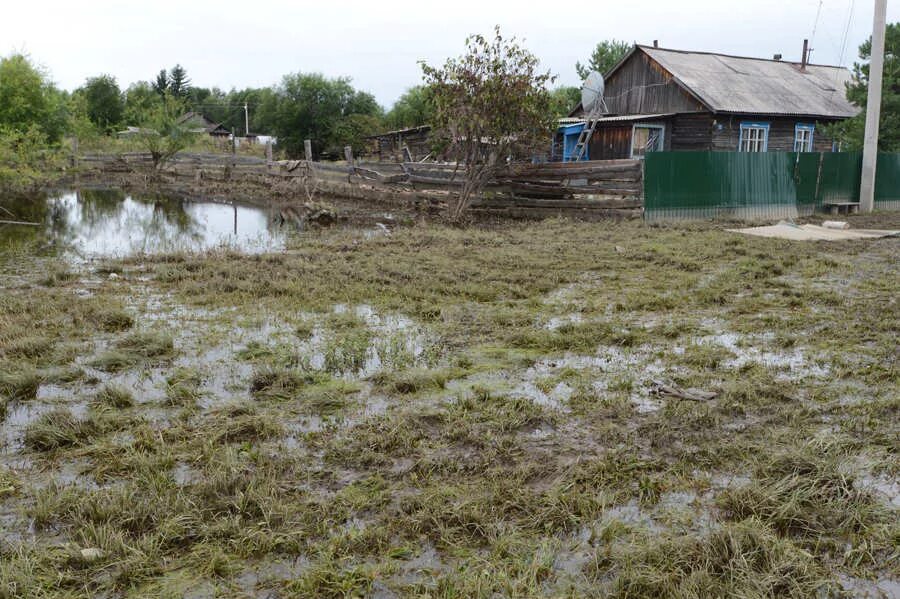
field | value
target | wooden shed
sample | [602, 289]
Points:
[403, 145]
[661, 99]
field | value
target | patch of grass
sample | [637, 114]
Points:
[347, 350]
[148, 344]
[810, 493]
[114, 396]
[30, 347]
[112, 319]
[183, 387]
[582, 337]
[239, 423]
[57, 429]
[283, 383]
[743, 559]
[415, 380]
[330, 578]
[135, 349]
[20, 386]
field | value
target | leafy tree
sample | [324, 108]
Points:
[28, 99]
[851, 133]
[491, 105]
[161, 134]
[105, 103]
[564, 99]
[412, 109]
[311, 106]
[604, 57]
[141, 99]
[179, 83]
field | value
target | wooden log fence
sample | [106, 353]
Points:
[592, 185]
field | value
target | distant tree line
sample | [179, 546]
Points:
[329, 111]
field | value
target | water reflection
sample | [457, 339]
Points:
[111, 223]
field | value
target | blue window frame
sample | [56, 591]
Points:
[754, 137]
[803, 137]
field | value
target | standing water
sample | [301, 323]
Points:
[110, 223]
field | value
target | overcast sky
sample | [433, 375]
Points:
[378, 44]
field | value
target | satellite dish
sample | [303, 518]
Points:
[592, 91]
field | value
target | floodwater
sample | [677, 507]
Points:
[104, 223]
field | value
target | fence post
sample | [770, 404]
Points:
[307, 150]
[268, 154]
[348, 156]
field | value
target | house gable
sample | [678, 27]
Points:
[640, 85]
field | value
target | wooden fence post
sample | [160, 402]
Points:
[348, 156]
[307, 150]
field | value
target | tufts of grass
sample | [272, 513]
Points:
[239, 423]
[744, 559]
[347, 350]
[29, 347]
[114, 396]
[583, 337]
[183, 387]
[283, 383]
[112, 319]
[809, 493]
[148, 344]
[415, 380]
[19, 386]
[56, 276]
[57, 429]
[331, 578]
[135, 349]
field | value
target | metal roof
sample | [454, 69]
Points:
[758, 86]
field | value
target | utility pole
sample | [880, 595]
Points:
[246, 121]
[873, 110]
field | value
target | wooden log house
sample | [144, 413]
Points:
[661, 99]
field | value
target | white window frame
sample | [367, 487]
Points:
[756, 135]
[808, 131]
[662, 137]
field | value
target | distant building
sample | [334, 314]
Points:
[201, 124]
[660, 99]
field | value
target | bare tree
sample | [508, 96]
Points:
[491, 105]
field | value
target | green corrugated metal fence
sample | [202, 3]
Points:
[768, 185]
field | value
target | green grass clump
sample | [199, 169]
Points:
[113, 319]
[29, 348]
[20, 386]
[135, 349]
[808, 493]
[332, 579]
[583, 337]
[407, 382]
[347, 351]
[744, 559]
[282, 383]
[114, 396]
[58, 429]
[148, 344]
[183, 387]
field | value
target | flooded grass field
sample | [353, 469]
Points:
[548, 409]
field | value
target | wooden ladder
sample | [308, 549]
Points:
[584, 138]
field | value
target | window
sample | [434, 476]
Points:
[646, 138]
[754, 137]
[803, 137]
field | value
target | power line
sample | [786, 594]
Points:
[812, 38]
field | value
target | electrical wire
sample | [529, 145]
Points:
[812, 38]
